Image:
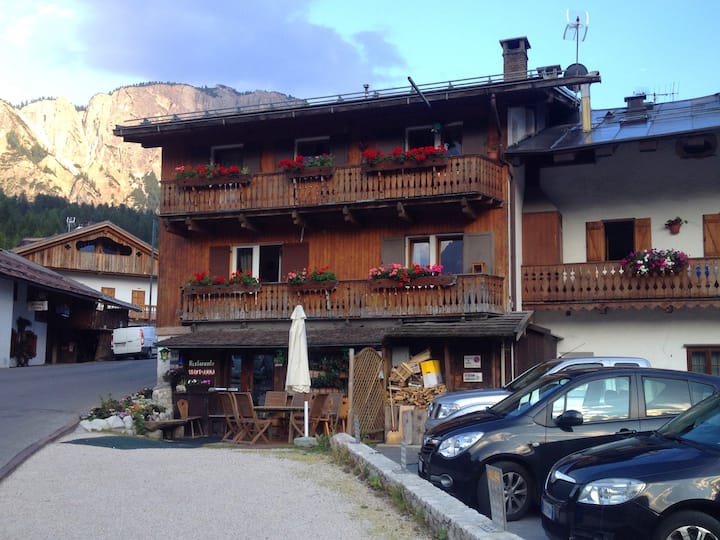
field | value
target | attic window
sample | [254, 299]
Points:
[103, 245]
[698, 146]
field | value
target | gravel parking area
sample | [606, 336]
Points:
[68, 491]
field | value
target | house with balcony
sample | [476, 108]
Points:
[643, 179]
[104, 257]
[456, 207]
[48, 318]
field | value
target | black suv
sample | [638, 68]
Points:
[527, 432]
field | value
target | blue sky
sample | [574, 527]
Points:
[312, 48]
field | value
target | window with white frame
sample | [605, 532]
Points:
[264, 261]
[446, 250]
[228, 155]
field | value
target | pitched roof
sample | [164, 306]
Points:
[511, 324]
[15, 267]
[33, 245]
[635, 122]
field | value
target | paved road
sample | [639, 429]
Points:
[38, 401]
[528, 528]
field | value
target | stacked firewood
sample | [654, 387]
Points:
[416, 396]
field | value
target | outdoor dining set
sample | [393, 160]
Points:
[282, 413]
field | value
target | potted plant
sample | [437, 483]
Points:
[316, 280]
[206, 175]
[674, 224]
[423, 156]
[394, 275]
[313, 167]
[245, 281]
[655, 262]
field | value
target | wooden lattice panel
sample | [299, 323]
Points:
[368, 399]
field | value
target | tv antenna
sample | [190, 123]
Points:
[70, 222]
[576, 29]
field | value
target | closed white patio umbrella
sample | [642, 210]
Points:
[298, 369]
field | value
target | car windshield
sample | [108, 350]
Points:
[516, 403]
[531, 375]
[700, 424]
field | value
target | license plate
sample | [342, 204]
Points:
[547, 509]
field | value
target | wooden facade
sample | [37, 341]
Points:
[349, 218]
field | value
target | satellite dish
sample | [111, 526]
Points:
[575, 70]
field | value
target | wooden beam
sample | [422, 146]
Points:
[402, 212]
[298, 219]
[194, 226]
[245, 223]
[467, 209]
[173, 227]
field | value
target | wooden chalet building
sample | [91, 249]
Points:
[458, 211]
[48, 318]
[105, 257]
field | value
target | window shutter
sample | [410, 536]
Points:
[294, 258]
[711, 235]
[595, 240]
[220, 261]
[479, 248]
[542, 238]
[643, 234]
[393, 250]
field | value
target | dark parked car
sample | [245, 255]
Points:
[663, 486]
[527, 432]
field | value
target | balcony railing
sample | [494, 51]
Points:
[473, 175]
[148, 313]
[605, 284]
[352, 299]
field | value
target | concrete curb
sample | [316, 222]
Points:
[442, 512]
[19, 458]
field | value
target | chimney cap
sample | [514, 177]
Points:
[515, 43]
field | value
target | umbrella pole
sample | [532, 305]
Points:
[306, 419]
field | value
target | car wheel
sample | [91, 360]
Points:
[517, 486]
[689, 525]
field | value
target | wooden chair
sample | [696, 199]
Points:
[193, 422]
[318, 414]
[342, 416]
[235, 428]
[330, 412]
[277, 398]
[257, 427]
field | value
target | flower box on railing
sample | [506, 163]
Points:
[200, 182]
[313, 286]
[433, 281]
[385, 283]
[311, 173]
[391, 165]
[235, 288]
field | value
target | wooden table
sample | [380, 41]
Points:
[287, 411]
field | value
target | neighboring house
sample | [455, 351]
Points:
[594, 193]
[458, 211]
[47, 318]
[104, 257]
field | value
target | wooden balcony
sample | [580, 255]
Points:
[148, 313]
[602, 286]
[472, 178]
[351, 299]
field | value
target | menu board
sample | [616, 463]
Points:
[201, 373]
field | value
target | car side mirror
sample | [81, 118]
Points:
[569, 419]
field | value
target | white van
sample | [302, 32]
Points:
[134, 342]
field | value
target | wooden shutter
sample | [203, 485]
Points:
[220, 261]
[479, 248]
[138, 298]
[711, 235]
[294, 258]
[542, 238]
[595, 241]
[643, 234]
[393, 250]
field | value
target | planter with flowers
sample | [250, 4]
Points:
[415, 158]
[674, 224]
[211, 175]
[308, 168]
[396, 276]
[317, 280]
[655, 262]
[240, 282]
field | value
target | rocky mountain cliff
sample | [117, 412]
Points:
[51, 147]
